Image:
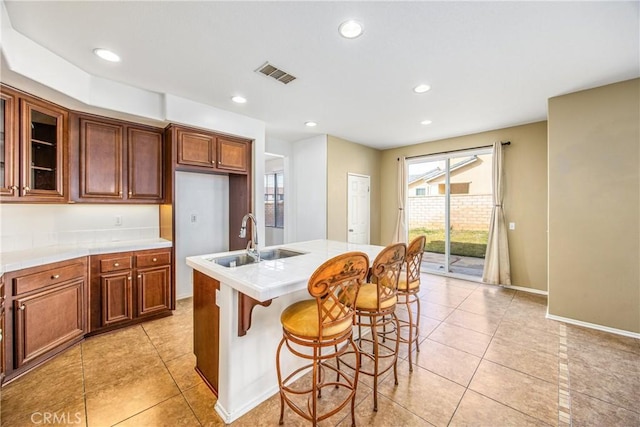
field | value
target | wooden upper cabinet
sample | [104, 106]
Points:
[9, 146]
[145, 164]
[201, 151]
[196, 149]
[43, 134]
[33, 147]
[101, 159]
[233, 154]
[116, 161]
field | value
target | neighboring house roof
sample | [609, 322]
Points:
[434, 173]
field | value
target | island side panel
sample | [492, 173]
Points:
[206, 328]
[248, 374]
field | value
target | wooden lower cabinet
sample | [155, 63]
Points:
[153, 291]
[206, 328]
[128, 287]
[45, 320]
[44, 314]
[117, 298]
[2, 330]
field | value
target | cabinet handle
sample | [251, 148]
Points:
[117, 264]
[213, 162]
[0, 334]
[14, 187]
[119, 193]
[139, 276]
[131, 193]
[22, 307]
[26, 188]
[55, 276]
[155, 259]
[129, 278]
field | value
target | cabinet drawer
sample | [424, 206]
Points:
[152, 260]
[115, 264]
[48, 277]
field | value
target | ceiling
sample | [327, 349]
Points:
[489, 64]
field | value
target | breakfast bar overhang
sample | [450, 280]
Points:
[249, 302]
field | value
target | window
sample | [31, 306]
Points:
[274, 199]
[421, 191]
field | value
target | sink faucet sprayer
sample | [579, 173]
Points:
[252, 245]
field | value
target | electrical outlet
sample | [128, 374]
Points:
[512, 226]
[118, 220]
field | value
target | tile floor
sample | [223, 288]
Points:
[488, 357]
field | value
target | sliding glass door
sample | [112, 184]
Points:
[449, 201]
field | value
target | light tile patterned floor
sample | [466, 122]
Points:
[488, 357]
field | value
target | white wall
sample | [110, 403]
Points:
[309, 182]
[27, 226]
[205, 198]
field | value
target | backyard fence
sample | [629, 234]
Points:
[468, 211]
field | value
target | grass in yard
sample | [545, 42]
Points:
[463, 242]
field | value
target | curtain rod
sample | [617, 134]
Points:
[455, 151]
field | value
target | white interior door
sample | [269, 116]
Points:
[358, 209]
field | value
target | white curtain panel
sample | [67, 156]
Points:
[400, 235]
[497, 270]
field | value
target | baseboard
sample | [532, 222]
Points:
[523, 289]
[594, 326]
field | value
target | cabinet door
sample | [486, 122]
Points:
[48, 319]
[100, 160]
[233, 155]
[42, 141]
[9, 177]
[154, 290]
[145, 165]
[196, 149]
[117, 297]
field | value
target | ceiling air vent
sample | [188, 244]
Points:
[276, 73]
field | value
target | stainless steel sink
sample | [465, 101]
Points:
[233, 260]
[277, 253]
[245, 259]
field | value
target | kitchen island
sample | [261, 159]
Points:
[237, 319]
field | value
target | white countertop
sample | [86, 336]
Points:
[270, 279]
[17, 260]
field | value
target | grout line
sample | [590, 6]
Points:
[564, 390]
[84, 386]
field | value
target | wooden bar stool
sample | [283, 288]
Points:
[375, 309]
[319, 330]
[408, 289]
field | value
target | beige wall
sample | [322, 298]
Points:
[525, 200]
[345, 157]
[594, 206]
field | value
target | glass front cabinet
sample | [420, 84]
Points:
[33, 151]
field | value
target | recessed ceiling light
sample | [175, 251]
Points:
[239, 99]
[106, 54]
[310, 124]
[422, 88]
[350, 29]
[426, 122]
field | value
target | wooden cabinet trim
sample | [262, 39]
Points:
[116, 292]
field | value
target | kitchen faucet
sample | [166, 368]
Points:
[252, 245]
